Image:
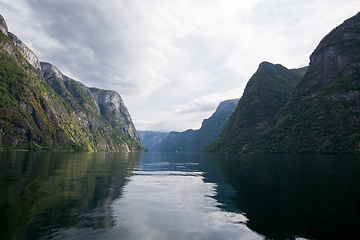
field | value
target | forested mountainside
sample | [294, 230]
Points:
[267, 91]
[42, 109]
[322, 115]
[198, 140]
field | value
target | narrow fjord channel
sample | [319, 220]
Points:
[67, 195]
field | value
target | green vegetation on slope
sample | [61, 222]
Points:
[267, 91]
[323, 115]
[35, 117]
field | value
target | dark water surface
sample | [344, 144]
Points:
[64, 195]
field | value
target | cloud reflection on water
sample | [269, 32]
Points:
[175, 205]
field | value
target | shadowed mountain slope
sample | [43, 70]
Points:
[323, 115]
[267, 91]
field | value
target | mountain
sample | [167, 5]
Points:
[267, 91]
[152, 140]
[212, 127]
[178, 141]
[42, 109]
[323, 114]
[198, 140]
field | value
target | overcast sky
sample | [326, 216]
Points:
[172, 61]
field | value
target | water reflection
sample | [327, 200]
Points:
[176, 205]
[284, 196]
[43, 192]
[170, 197]
[64, 195]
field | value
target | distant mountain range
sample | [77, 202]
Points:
[320, 115]
[152, 140]
[198, 140]
[42, 109]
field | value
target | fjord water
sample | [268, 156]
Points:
[69, 195]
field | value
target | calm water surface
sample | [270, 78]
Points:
[63, 195]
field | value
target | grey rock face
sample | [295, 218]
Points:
[113, 109]
[26, 52]
[335, 57]
[50, 71]
[3, 26]
[336, 53]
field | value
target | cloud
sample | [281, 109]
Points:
[209, 102]
[172, 60]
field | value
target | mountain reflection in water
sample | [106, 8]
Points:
[67, 195]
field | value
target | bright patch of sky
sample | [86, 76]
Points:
[174, 61]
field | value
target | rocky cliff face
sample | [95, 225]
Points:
[3, 26]
[40, 108]
[20, 46]
[25, 52]
[323, 114]
[113, 109]
[265, 94]
[335, 57]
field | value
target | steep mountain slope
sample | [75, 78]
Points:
[212, 127]
[40, 108]
[152, 140]
[323, 115]
[197, 140]
[267, 91]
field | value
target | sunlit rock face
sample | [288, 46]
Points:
[26, 52]
[113, 109]
[3, 26]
